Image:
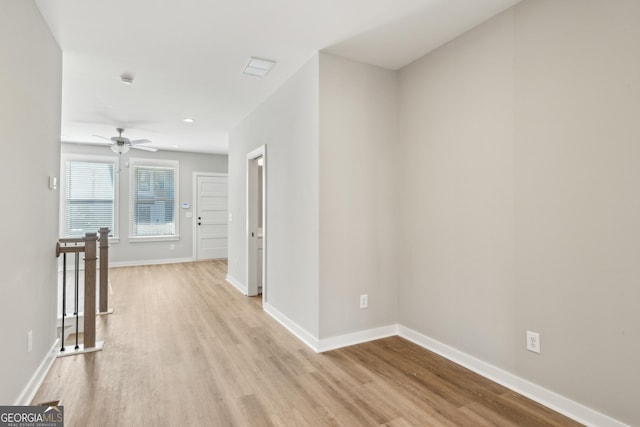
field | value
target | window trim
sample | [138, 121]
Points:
[91, 158]
[175, 164]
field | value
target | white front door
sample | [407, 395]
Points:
[211, 234]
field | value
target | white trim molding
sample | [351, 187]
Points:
[548, 398]
[30, 390]
[332, 343]
[359, 337]
[237, 284]
[149, 262]
[252, 283]
[292, 327]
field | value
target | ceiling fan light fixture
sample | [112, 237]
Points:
[119, 149]
[258, 67]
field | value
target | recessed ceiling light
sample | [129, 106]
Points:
[188, 120]
[175, 146]
[126, 79]
[258, 67]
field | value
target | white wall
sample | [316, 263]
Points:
[131, 253]
[30, 84]
[577, 156]
[457, 183]
[358, 202]
[520, 201]
[287, 123]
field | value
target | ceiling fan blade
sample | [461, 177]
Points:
[139, 141]
[100, 136]
[140, 147]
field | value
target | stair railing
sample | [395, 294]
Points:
[88, 246]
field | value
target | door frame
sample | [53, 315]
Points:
[251, 157]
[194, 206]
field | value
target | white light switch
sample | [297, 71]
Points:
[188, 214]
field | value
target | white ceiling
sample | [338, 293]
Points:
[186, 57]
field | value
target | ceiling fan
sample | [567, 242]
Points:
[122, 144]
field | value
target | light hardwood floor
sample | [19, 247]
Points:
[184, 348]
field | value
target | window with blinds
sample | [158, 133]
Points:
[89, 197]
[154, 199]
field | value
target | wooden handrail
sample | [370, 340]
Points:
[71, 239]
[67, 249]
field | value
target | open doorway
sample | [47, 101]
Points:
[256, 223]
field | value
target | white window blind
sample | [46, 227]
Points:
[153, 201]
[89, 197]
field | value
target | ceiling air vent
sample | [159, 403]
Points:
[258, 67]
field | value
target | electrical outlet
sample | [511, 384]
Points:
[29, 341]
[364, 301]
[533, 341]
[172, 247]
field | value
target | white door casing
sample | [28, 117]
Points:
[256, 216]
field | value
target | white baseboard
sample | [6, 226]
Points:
[237, 284]
[292, 327]
[327, 344]
[71, 267]
[149, 262]
[30, 390]
[548, 398]
[354, 338]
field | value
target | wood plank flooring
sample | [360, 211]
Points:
[184, 348]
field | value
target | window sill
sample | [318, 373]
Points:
[153, 239]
